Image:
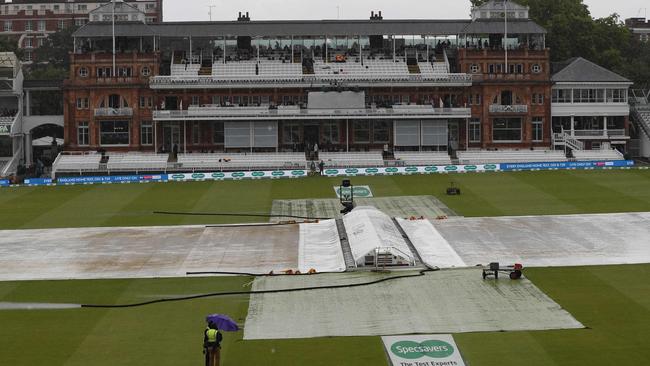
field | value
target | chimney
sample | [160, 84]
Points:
[380, 17]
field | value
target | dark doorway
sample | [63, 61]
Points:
[312, 134]
[171, 103]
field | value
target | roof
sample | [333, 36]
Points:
[308, 28]
[580, 70]
[497, 26]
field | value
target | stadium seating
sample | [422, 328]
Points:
[423, 158]
[370, 69]
[352, 159]
[510, 156]
[137, 162]
[590, 155]
[185, 70]
[242, 161]
[77, 163]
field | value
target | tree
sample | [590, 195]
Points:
[8, 44]
[56, 48]
[572, 32]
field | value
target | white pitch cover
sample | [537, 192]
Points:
[320, 248]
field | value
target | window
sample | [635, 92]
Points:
[506, 97]
[616, 95]
[82, 103]
[41, 25]
[380, 131]
[82, 134]
[196, 100]
[331, 132]
[124, 72]
[217, 133]
[150, 19]
[82, 7]
[150, 6]
[8, 26]
[146, 71]
[61, 24]
[83, 72]
[561, 96]
[196, 133]
[114, 133]
[475, 130]
[29, 26]
[536, 68]
[538, 98]
[29, 43]
[520, 68]
[361, 131]
[475, 99]
[216, 99]
[506, 129]
[27, 56]
[475, 69]
[290, 133]
[146, 133]
[41, 42]
[538, 129]
[103, 72]
[146, 102]
[79, 22]
[588, 95]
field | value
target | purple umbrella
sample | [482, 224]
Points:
[222, 322]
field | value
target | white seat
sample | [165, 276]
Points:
[510, 156]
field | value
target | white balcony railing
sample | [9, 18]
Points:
[113, 112]
[260, 113]
[515, 108]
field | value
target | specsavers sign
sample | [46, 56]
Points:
[423, 350]
[359, 191]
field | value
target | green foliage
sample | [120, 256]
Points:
[47, 72]
[572, 32]
[56, 48]
[8, 44]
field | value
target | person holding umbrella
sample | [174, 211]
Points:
[212, 345]
[212, 337]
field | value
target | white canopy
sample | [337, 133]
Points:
[369, 229]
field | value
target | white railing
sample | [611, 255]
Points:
[12, 165]
[113, 112]
[311, 80]
[515, 108]
[265, 113]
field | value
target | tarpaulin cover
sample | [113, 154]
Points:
[434, 250]
[320, 248]
[448, 301]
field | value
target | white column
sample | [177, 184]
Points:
[28, 103]
[572, 126]
[155, 138]
[184, 135]
[605, 126]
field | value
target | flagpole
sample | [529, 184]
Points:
[114, 71]
[505, 40]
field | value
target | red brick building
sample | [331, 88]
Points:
[358, 85]
[29, 22]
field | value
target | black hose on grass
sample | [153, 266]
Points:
[232, 214]
[234, 293]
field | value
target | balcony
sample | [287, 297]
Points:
[295, 113]
[113, 112]
[515, 108]
[312, 81]
[598, 134]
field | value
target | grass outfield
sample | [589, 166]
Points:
[613, 301]
[489, 194]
